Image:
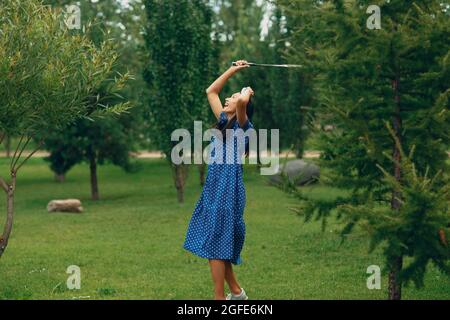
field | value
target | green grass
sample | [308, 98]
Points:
[129, 244]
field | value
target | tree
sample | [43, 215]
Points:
[387, 93]
[104, 140]
[179, 45]
[284, 92]
[237, 27]
[113, 19]
[290, 92]
[48, 78]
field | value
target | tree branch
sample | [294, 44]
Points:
[30, 155]
[20, 154]
[4, 185]
[15, 152]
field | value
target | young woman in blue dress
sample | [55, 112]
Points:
[217, 230]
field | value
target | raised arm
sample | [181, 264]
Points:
[214, 89]
[241, 110]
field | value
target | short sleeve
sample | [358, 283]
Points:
[222, 121]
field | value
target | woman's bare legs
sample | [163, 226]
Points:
[234, 286]
[218, 276]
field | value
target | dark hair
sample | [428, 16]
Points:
[230, 124]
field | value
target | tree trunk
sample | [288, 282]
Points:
[395, 287]
[180, 175]
[9, 190]
[60, 177]
[396, 262]
[299, 149]
[94, 181]
[202, 170]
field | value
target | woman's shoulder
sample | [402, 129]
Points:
[222, 120]
[247, 125]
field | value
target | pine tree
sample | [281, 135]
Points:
[387, 92]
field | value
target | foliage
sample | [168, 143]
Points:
[387, 93]
[280, 94]
[178, 66]
[48, 76]
[106, 139]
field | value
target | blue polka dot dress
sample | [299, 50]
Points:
[217, 228]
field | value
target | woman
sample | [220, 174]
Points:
[217, 229]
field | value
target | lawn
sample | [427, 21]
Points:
[129, 244]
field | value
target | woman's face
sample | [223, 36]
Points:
[231, 103]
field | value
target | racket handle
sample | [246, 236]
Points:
[234, 64]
